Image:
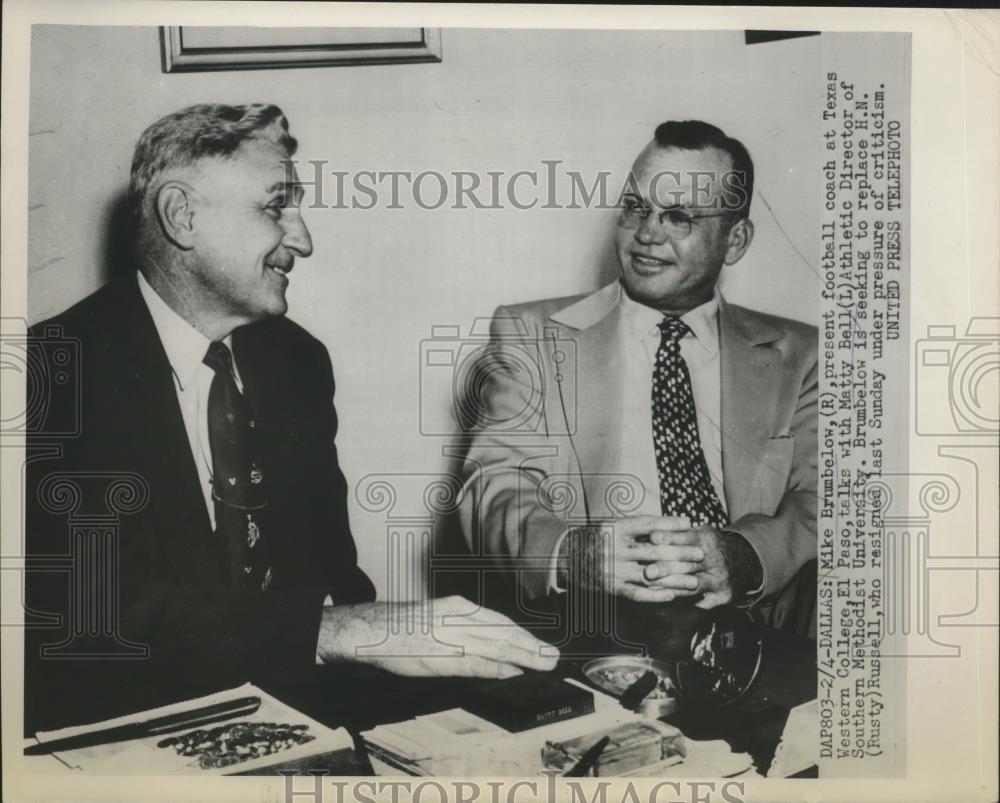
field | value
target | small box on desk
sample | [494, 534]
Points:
[630, 746]
[528, 701]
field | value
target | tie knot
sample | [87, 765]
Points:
[673, 328]
[219, 358]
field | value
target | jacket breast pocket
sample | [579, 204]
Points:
[772, 473]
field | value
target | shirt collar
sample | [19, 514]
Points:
[185, 346]
[642, 321]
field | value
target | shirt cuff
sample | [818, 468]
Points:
[752, 596]
[327, 603]
[554, 567]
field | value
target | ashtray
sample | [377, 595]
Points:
[616, 673]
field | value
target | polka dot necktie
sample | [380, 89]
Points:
[237, 481]
[685, 484]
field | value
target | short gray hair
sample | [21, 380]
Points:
[207, 130]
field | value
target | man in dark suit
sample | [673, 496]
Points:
[665, 440]
[199, 505]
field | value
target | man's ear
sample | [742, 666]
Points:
[174, 204]
[740, 237]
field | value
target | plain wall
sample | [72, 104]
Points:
[378, 280]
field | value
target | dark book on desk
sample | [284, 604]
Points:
[528, 701]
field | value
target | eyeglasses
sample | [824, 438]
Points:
[677, 223]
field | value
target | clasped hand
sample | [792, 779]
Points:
[649, 559]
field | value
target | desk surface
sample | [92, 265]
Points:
[361, 697]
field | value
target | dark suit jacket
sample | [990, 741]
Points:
[154, 585]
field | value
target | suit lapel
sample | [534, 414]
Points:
[751, 370]
[598, 401]
[162, 442]
[600, 394]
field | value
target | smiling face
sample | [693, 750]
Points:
[659, 269]
[247, 231]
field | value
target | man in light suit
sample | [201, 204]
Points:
[211, 416]
[652, 440]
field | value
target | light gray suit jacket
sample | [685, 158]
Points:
[544, 453]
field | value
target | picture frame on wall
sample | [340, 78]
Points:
[206, 48]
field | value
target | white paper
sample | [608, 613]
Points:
[143, 756]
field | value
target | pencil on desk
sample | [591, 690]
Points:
[216, 712]
[588, 759]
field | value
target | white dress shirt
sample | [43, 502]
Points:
[186, 348]
[639, 335]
